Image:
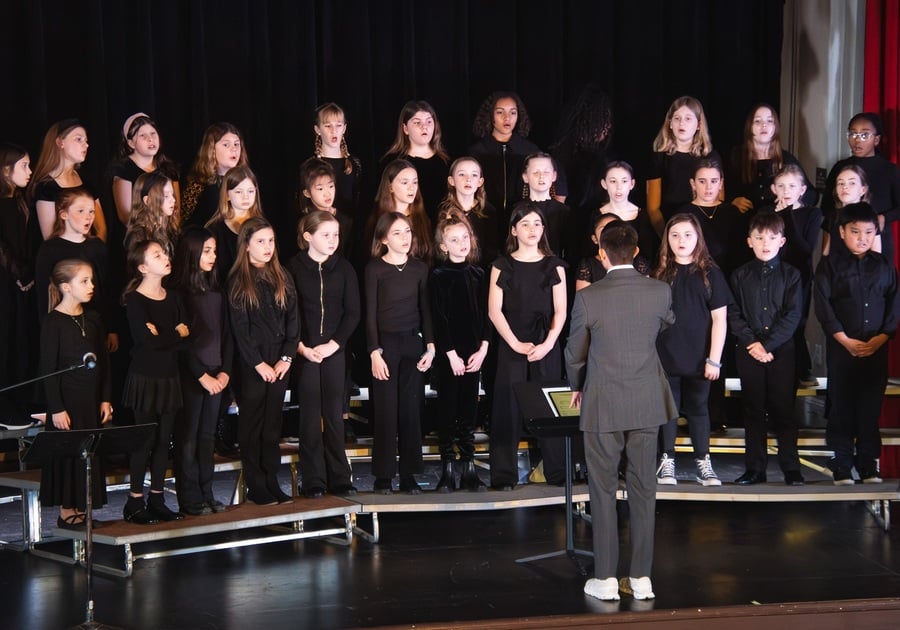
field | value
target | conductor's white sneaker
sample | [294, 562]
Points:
[641, 588]
[607, 590]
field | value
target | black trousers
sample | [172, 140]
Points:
[457, 411]
[855, 393]
[507, 421]
[397, 404]
[194, 441]
[259, 427]
[320, 391]
[768, 391]
[691, 394]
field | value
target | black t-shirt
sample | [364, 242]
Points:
[676, 171]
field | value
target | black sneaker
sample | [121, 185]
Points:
[216, 506]
[870, 476]
[842, 476]
[197, 509]
[409, 485]
[383, 486]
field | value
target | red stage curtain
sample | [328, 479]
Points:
[881, 93]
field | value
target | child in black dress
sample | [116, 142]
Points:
[466, 197]
[398, 323]
[399, 191]
[152, 215]
[18, 333]
[539, 175]
[205, 369]
[527, 305]
[152, 387]
[318, 189]
[328, 298]
[263, 308]
[78, 399]
[330, 128]
[458, 288]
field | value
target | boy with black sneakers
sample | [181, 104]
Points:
[765, 313]
[856, 303]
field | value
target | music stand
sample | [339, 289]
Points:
[84, 444]
[543, 420]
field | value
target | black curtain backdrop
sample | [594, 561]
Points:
[265, 65]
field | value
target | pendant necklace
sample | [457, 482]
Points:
[709, 215]
[80, 324]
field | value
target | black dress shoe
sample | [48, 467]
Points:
[344, 491]
[409, 485]
[281, 497]
[216, 506]
[141, 517]
[383, 486]
[751, 477]
[793, 478]
[196, 509]
[503, 487]
[261, 498]
[314, 493]
[74, 522]
[160, 511]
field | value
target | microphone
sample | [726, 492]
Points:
[89, 360]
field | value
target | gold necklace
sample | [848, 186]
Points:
[80, 324]
[709, 215]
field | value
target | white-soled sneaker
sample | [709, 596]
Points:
[641, 588]
[606, 590]
[665, 474]
[705, 473]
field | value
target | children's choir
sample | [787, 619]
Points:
[465, 266]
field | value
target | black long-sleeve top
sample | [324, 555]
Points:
[676, 171]
[397, 300]
[155, 356]
[767, 305]
[328, 298]
[501, 166]
[266, 326]
[211, 345]
[459, 307]
[13, 241]
[801, 232]
[856, 295]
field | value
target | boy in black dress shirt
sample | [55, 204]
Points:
[856, 303]
[765, 313]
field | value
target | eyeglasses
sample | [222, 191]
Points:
[860, 135]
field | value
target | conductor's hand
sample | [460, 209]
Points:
[575, 403]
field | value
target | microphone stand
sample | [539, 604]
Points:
[84, 364]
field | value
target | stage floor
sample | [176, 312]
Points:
[441, 567]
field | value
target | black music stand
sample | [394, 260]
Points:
[84, 444]
[541, 420]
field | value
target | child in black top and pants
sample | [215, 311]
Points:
[765, 313]
[856, 303]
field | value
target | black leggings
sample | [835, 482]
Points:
[156, 449]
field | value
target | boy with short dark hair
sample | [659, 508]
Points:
[856, 303]
[765, 313]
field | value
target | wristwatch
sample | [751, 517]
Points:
[287, 359]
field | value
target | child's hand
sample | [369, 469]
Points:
[779, 204]
[266, 372]
[210, 384]
[106, 412]
[328, 348]
[182, 330]
[24, 288]
[310, 354]
[538, 352]
[223, 379]
[379, 367]
[742, 203]
[475, 361]
[425, 360]
[871, 346]
[112, 342]
[757, 351]
[710, 372]
[524, 348]
[281, 369]
[457, 366]
[61, 420]
[152, 329]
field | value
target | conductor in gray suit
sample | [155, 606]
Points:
[620, 385]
